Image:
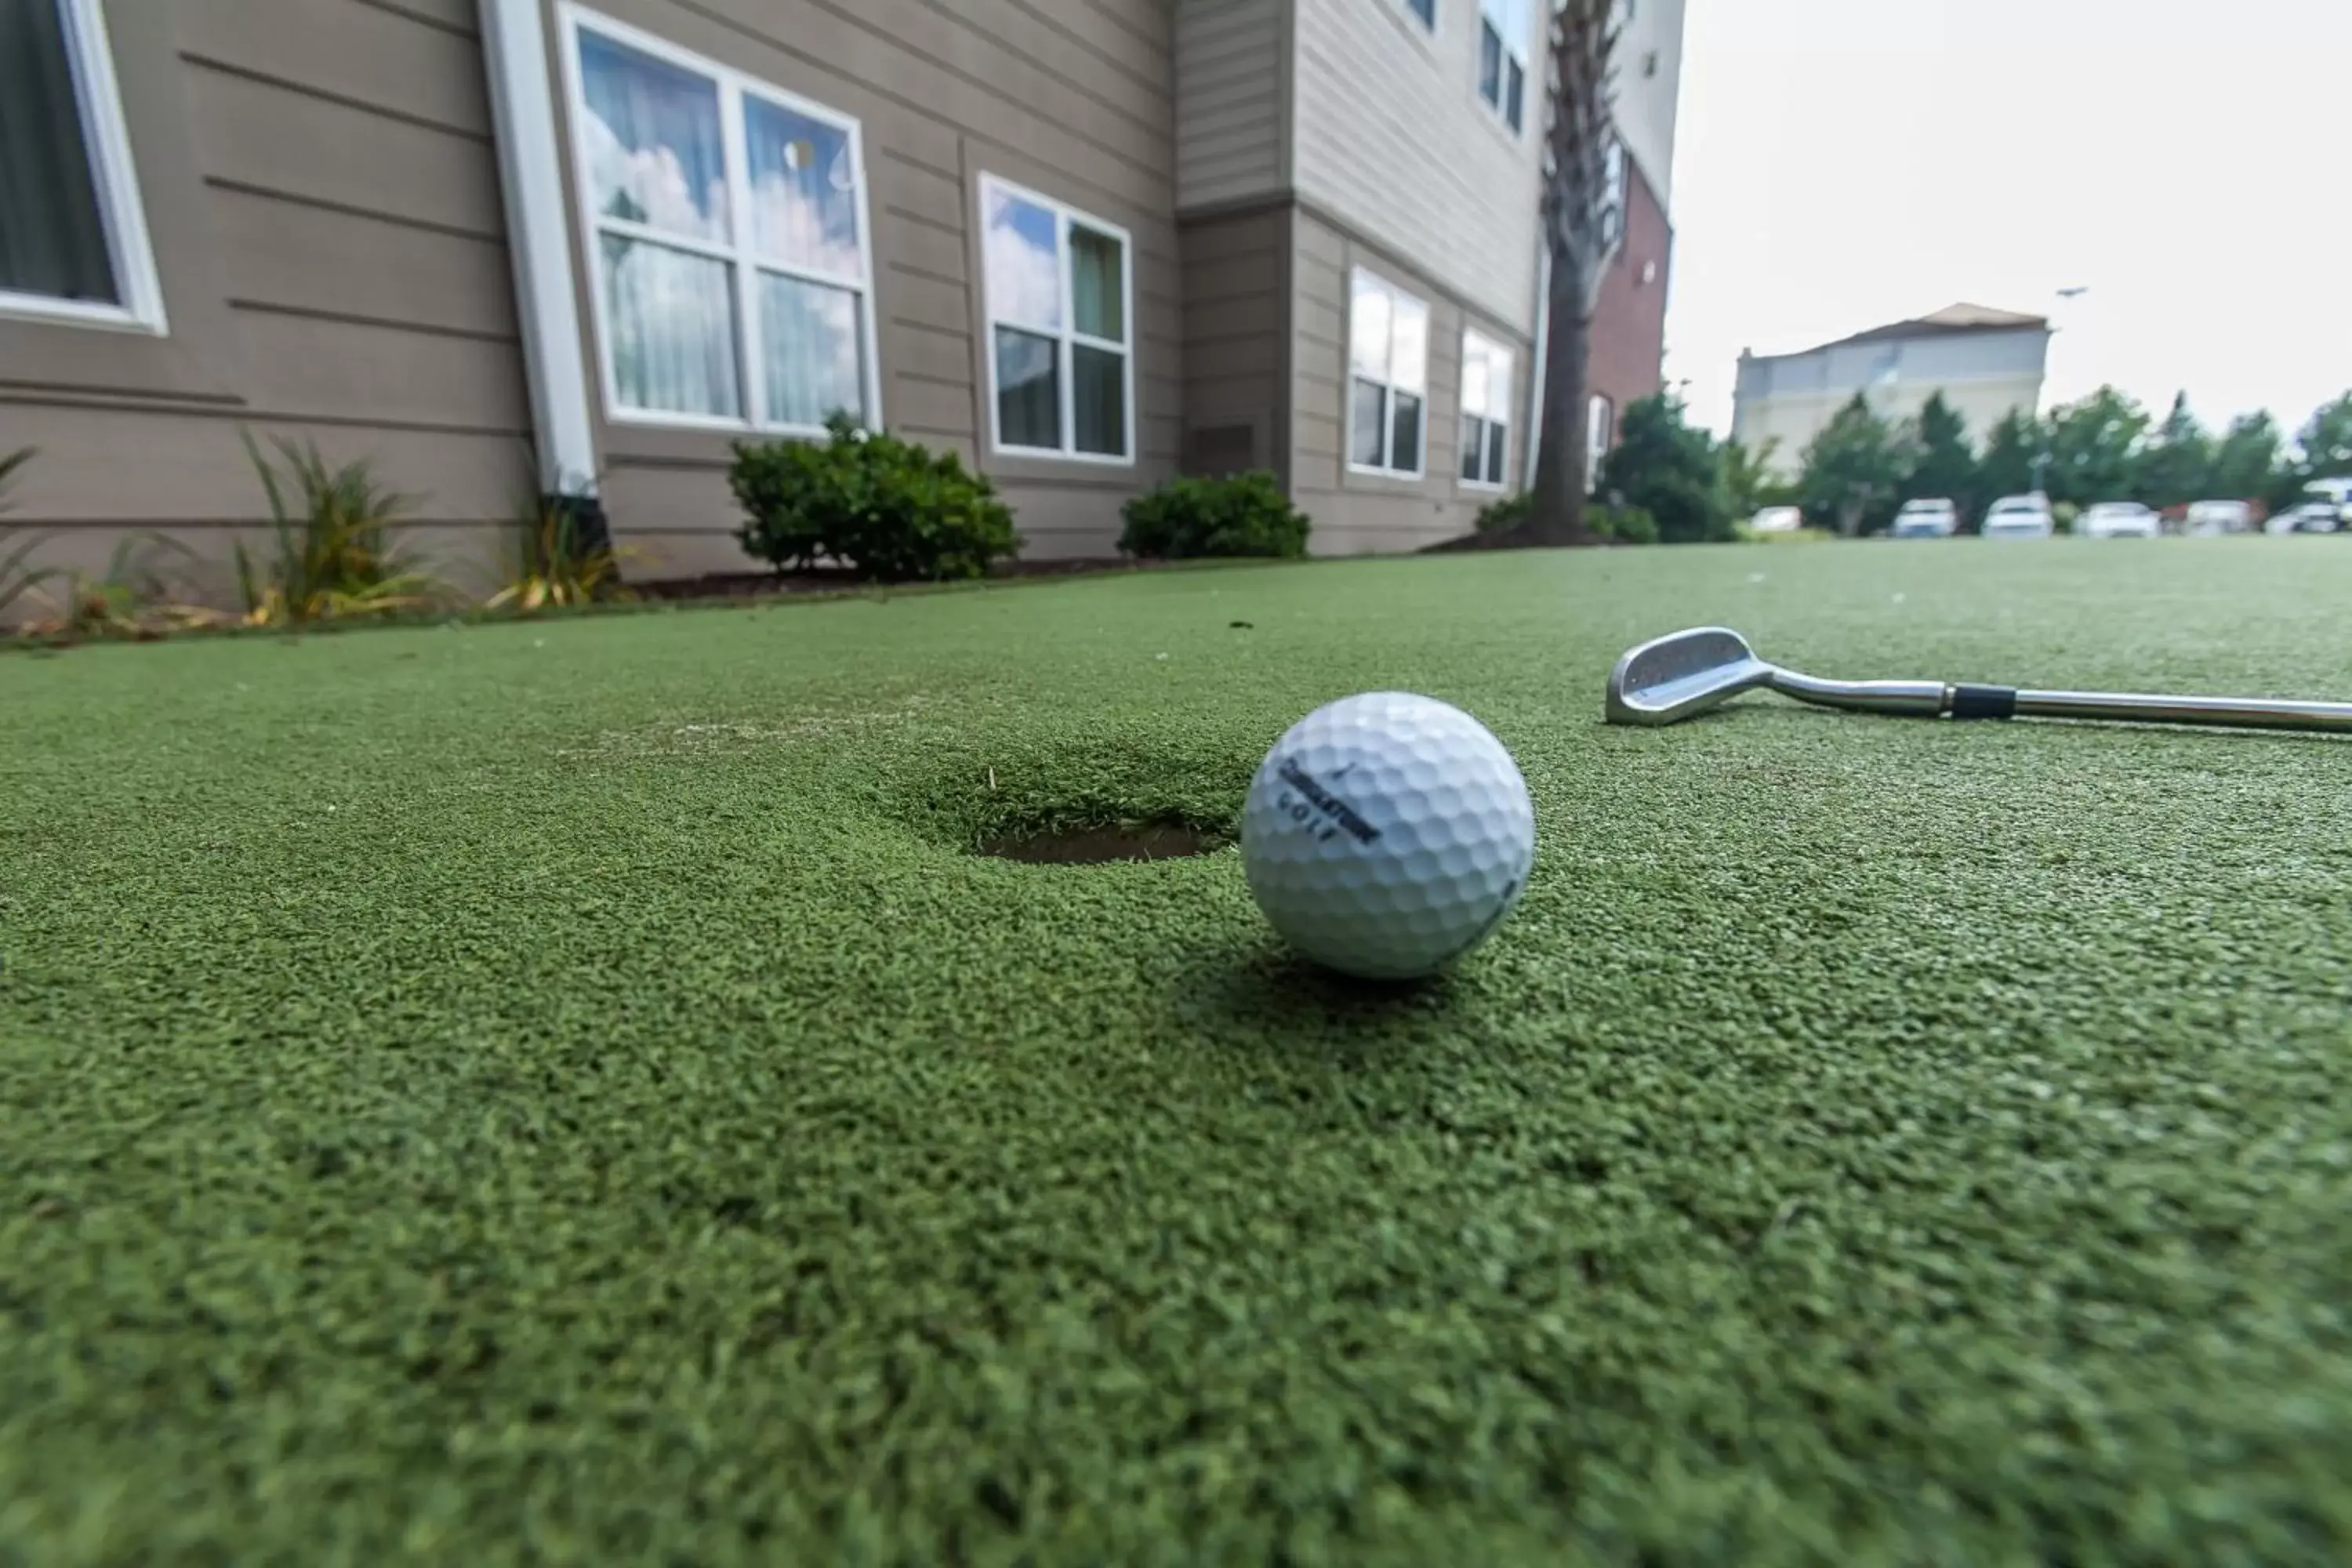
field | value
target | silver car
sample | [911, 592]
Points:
[2119, 520]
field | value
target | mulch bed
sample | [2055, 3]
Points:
[769, 585]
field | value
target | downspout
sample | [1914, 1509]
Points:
[531, 173]
[1543, 348]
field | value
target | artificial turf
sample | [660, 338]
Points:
[563, 1093]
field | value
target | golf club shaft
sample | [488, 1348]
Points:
[1935, 699]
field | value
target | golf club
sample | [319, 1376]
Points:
[1685, 673]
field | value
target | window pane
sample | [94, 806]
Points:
[1368, 424]
[52, 237]
[654, 153]
[1515, 94]
[1368, 329]
[1475, 392]
[1028, 390]
[1497, 445]
[810, 349]
[803, 189]
[1024, 270]
[1405, 444]
[1097, 287]
[1409, 366]
[1490, 63]
[1098, 400]
[673, 329]
[1424, 9]
[1474, 446]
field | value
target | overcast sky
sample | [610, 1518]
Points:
[1844, 164]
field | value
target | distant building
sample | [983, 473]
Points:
[1986, 362]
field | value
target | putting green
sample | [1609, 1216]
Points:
[563, 1093]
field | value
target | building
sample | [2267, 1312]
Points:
[1986, 362]
[504, 245]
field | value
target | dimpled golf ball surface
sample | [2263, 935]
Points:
[1387, 834]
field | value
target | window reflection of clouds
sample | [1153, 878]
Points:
[656, 155]
[1023, 262]
[813, 351]
[804, 190]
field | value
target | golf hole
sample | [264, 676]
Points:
[1103, 843]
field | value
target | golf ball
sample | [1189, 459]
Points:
[1386, 835]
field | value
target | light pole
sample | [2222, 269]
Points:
[2042, 456]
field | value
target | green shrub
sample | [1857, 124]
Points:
[1500, 516]
[885, 508]
[1240, 514]
[2062, 515]
[1625, 524]
[331, 552]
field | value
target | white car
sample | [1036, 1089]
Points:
[2018, 517]
[1778, 519]
[1926, 517]
[2207, 517]
[2119, 520]
[2311, 517]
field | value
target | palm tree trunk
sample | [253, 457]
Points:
[1556, 509]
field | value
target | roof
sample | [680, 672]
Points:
[1946, 322]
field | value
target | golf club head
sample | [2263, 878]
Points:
[1684, 673]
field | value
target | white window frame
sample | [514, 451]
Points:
[106, 143]
[1517, 52]
[1390, 387]
[740, 250]
[1490, 350]
[1067, 336]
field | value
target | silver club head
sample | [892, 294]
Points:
[1685, 673]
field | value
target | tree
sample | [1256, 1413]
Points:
[1748, 483]
[2095, 448]
[2325, 443]
[1581, 221]
[1667, 466]
[2245, 458]
[1853, 469]
[2012, 451]
[1942, 463]
[2175, 466]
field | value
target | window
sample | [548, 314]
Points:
[1485, 410]
[727, 237]
[1600, 430]
[1388, 354]
[73, 240]
[1061, 368]
[1503, 29]
[1425, 11]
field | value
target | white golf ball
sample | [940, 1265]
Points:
[1387, 834]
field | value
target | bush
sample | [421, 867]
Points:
[1625, 524]
[887, 509]
[332, 550]
[1240, 514]
[1500, 516]
[2062, 515]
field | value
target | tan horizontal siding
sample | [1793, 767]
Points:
[369, 56]
[257, 136]
[1230, 98]
[290, 253]
[192, 469]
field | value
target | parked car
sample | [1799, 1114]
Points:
[2119, 520]
[2018, 517]
[2338, 493]
[2206, 518]
[1927, 518]
[1778, 519]
[2310, 517]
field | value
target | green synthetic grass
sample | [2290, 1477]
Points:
[563, 1093]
